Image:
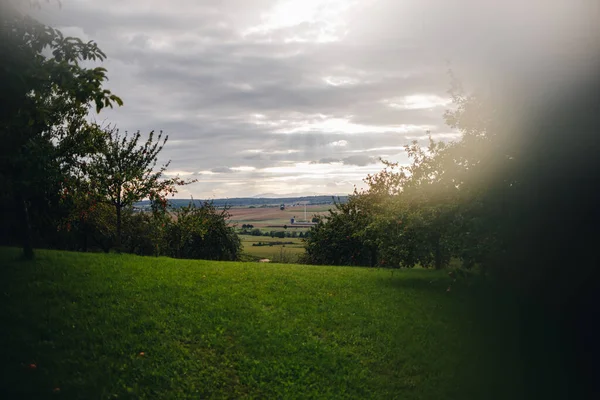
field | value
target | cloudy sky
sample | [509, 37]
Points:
[297, 96]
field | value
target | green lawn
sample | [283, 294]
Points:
[250, 330]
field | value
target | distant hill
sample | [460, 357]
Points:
[254, 201]
[293, 195]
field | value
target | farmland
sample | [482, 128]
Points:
[272, 216]
[273, 219]
[121, 326]
[292, 248]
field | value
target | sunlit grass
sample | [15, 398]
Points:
[121, 326]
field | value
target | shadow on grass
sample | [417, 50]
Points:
[436, 283]
[523, 352]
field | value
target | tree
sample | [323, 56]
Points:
[87, 218]
[341, 238]
[45, 94]
[415, 206]
[122, 172]
[202, 232]
[529, 197]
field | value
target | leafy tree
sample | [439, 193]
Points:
[203, 233]
[122, 172]
[87, 218]
[45, 94]
[415, 207]
[143, 233]
[341, 238]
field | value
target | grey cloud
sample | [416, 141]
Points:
[359, 160]
[222, 170]
[186, 68]
[329, 160]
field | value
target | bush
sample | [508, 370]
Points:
[202, 233]
[142, 234]
[341, 238]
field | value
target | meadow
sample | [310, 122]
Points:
[290, 252]
[80, 325]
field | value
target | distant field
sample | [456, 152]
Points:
[272, 252]
[263, 217]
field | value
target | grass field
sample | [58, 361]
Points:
[272, 252]
[97, 326]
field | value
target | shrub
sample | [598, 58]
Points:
[203, 233]
[340, 239]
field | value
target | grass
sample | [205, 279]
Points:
[272, 252]
[248, 330]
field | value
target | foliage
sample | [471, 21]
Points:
[341, 238]
[121, 172]
[46, 94]
[143, 234]
[202, 232]
[415, 208]
[431, 210]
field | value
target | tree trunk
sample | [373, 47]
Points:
[26, 228]
[118, 228]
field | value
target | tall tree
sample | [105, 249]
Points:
[46, 95]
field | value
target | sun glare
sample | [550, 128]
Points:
[325, 16]
[344, 125]
[418, 102]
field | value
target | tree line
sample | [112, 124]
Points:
[513, 198]
[516, 198]
[70, 183]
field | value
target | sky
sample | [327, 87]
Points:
[304, 96]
